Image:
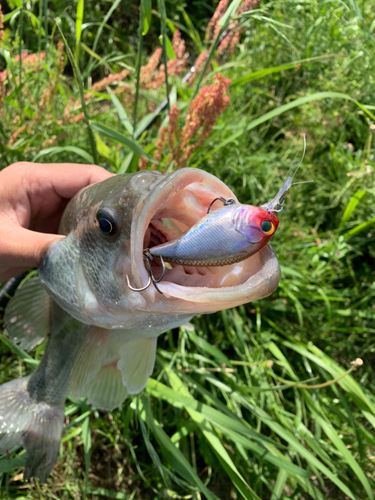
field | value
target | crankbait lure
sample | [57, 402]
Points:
[225, 236]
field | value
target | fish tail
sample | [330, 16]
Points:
[34, 424]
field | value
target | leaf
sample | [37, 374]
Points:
[78, 78]
[126, 163]
[99, 32]
[361, 227]
[168, 46]
[210, 349]
[193, 32]
[298, 447]
[86, 438]
[351, 206]
[79, 19]
[147, 9]
[256, 75]
[121, 139]
[234, 429]
[103, 149]
[19, 352]
[10, 465]
[280, 110]
[174, 455]
[8, 17]
[121, 111]
[144, 123]
[230, 10]
[279, 485]
[70, 149]
[348, 457]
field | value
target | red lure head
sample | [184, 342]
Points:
[255, 223]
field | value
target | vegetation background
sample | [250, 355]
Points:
[259, 402]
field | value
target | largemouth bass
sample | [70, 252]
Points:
[103, 335]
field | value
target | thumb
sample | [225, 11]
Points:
[22, 249]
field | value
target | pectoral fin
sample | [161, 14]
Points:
[27, 317]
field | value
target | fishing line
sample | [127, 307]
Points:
[300, 163]
[301, 182]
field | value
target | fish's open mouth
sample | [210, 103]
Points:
[175, 204]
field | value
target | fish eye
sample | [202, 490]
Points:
[267, 227]
[107, 224]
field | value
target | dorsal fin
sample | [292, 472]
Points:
[108, 367]
[27, 316]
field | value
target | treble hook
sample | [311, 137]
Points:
[229, 201]
[151, 279]
[138, 289]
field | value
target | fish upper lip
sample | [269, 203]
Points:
[257, 286]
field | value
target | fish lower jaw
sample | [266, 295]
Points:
[233, 285]
[183, 199]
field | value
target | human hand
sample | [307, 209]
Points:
[33, 197]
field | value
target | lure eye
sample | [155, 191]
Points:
[267, 227]
[106, 222]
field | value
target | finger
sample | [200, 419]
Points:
[69, 178]
[66, 179]
[33, 190]
[22, 249]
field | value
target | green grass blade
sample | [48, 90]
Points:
[147, 13]
[348, 383]
[8, 17]
[120, 110]
[298, 447]
[193, 32]
[163, 25]
[78, 79]
[361, 227]
[138, 68]
[86, 438]
[62, 149]
[216, 445]
[99, 32]
[209, 348]
[282, 476]
[351, 206]
[229, 12]
[173, 454]
[161, 391]
[348, 457]
[79, 20]
[19, 352]
[256, 75]
[12, 464]
[233, 432]
[280, 110]
[121, 139]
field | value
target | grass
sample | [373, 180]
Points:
[254, 402]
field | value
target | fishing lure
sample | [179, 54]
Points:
[225, 236]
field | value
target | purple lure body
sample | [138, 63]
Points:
[227, 235]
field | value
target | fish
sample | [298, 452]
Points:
[103, 335]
